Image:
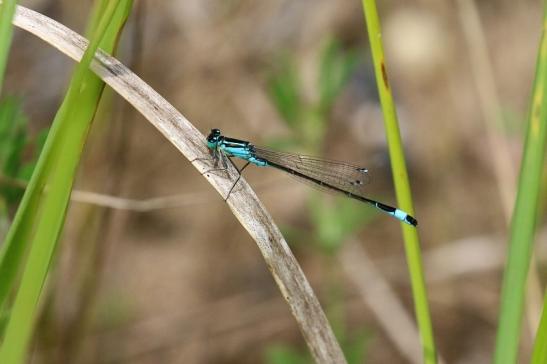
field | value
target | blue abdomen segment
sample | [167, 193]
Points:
[238, 152]
[404, 217]
[396, 213]
[244, 153]
[399, 214]
[257, 161]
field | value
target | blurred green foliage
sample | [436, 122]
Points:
[13, 138]
[285, 93]
[354, 351]
[308, 120]
[16, 163]
[284, 354]
[333, 219]
[337, 65]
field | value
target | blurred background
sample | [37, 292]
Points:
[153, 267]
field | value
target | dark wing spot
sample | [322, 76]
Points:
[357, 182]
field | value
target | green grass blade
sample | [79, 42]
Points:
[20, 231]
[56, 169]
[524, 215]
[11, 253]
[7, 10]
[18, 236]
[539, 355]
[402, 186]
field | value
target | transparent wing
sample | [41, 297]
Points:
[344, 176]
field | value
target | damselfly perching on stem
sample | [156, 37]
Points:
[338, 177]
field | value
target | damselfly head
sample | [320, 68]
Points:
[214, 136]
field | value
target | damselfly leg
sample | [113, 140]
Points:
[238, 177]
[219, 156]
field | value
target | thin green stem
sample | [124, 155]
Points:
[402, 186]
[524, 216]
[539, 355]
[7, 10]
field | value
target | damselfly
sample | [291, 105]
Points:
[337, 177]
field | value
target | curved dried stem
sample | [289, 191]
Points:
[190, 142]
